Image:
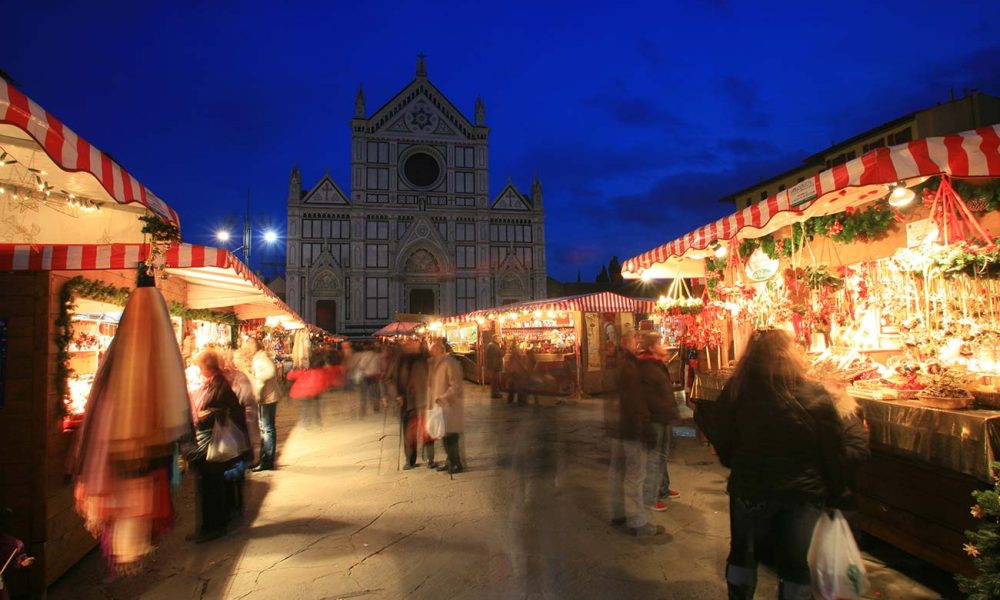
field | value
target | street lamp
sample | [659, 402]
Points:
[222, 235]
[270, 236]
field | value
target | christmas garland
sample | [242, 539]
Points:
[162, 235]
[81, 287]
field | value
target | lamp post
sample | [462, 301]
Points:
[268, 235]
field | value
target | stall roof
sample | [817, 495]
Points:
[215, 278]
[969, 154]
[40, 142]
[397, 328]
[599, 302]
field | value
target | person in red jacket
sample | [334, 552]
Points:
[307, 387]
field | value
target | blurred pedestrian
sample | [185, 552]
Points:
[264, 375]
[780, 435]
[658, 393]
[517, 375]
[410, 379]
[243, 388]
[307, 386]
[216, 404]
[494, 364]
[630, 439]
[445, 389]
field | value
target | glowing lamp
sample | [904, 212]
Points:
[900, 196]
[270, 236]
[222, 235]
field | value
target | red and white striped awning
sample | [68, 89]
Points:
[857, 182]
[73, 154]
[215, 278]
[601, 302]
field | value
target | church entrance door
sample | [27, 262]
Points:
[422, 302]
[326, 315]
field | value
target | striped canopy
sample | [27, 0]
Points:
[216, 278]
[73, 154]
[860, 181]
[601, 302]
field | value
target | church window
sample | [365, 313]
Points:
[378, 152]
[465, 257]
[460, 201]
[378, 179]
[465, 232]
[401, 227]
[421, 170]
[377, 256]
[377, 230]
[463, 157]
[465, 295]
[438, 200]
[465, 183]
[377, 198]
[406, 199]
[377, 298]
[524, 255]
[310, 252]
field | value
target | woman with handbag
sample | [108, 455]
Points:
[221, 437]
[779, 433]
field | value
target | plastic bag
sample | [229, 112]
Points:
[227, 442]
[435, 423]
[835, 561]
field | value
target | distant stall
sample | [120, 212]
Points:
[573, 339]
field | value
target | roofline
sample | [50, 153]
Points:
[472, 127]
[815, 159]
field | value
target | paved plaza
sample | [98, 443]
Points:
[528, 520]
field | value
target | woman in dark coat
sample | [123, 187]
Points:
[215, 401]
[780, 434]
[658, 394]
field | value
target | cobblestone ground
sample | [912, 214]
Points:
[528, 520]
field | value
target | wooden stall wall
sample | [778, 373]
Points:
[22, 417]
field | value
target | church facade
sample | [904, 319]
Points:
[417, 232]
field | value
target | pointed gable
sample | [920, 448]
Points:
[326, 192]
[511, 199]
[421, 108]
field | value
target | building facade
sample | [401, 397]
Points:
[971, 111]
[418, 231]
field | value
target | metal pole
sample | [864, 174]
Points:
[247, 233]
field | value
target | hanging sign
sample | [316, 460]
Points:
[802, 192]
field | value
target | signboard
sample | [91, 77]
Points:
[802, 192]
[592, 322]
[918, 231]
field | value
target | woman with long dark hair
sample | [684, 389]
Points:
[779, 433]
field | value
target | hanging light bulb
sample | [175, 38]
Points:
[718, 249]
[900, 195]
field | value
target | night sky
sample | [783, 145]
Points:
[637, 117]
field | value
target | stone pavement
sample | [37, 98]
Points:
[528, 520]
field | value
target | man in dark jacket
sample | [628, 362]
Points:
[626, 477]
[658, 393]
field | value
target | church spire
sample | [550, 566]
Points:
[480, 112]
[536, 193]
[421, 65]
[359, 104]
[295, 185]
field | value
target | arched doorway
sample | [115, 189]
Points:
[326, 314]
[422, 301]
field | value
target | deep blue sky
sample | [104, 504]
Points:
[637, 116]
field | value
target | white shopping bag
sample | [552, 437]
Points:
[835, 561]
[435, 423]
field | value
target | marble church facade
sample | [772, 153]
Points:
[417, 232]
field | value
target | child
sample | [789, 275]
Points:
[11, 552]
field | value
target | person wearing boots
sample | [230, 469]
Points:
[444, 389]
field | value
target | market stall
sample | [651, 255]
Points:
[885, 269]
[572, 339]
[76, 228]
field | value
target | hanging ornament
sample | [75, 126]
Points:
[760, 266]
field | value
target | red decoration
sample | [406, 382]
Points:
[955, 221]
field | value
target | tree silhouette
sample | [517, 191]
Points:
[615, 270]
[603, 277]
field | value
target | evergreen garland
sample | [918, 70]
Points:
[984, 544]
[81, 287]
